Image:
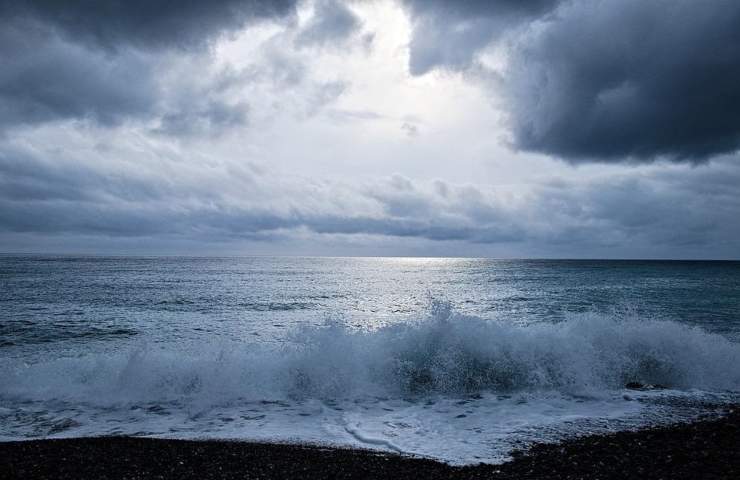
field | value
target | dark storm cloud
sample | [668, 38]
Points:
[607, 80]
[103, 61]
[144, 23]
[43, 78]
[635, 79]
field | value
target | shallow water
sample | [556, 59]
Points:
[457, 359]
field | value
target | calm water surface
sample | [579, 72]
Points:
[88, 299]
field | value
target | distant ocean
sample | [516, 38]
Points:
[456, 359]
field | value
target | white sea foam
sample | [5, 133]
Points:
[455, 387]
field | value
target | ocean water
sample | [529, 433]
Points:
[461, 360]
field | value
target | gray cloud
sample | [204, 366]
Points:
[105, 61]
[205, 107]
[682, 211]
[410, 129]
[332, 22]
[629, 79]
[141, 23]
[213, 117]
[448, 34]
[610, 80]
[613, 80]
[44, 78]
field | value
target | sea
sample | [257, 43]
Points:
[460, 360]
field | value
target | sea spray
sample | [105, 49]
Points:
[442, 352]
[450, 386]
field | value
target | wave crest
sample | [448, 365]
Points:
[442, 353]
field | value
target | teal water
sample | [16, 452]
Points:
[457, 359]
[98, 299]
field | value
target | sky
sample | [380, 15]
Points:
[500, 128]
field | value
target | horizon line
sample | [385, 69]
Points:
[416, 257]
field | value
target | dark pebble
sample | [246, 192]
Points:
[708, 449]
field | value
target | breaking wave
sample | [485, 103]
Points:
[444, 353]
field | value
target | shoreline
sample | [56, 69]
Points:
[701, 449]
